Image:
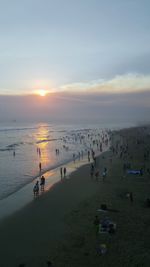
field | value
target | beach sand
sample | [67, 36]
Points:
[59, 224]
[28, 235]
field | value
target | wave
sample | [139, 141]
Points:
[24, 128]
[47, 140]
[13, 146]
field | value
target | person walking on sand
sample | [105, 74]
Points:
[61, 172]
[65, 170]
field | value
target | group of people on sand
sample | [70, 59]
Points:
[37, 186]
[90, 154]
[95, 172]
[63, 172]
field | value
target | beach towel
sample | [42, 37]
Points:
[133, 171]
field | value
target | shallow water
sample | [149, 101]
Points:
[20, 146]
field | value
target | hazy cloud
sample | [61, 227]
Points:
[128, 83]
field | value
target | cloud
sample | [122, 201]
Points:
[77, 107]
[128, 83]
[120, 84]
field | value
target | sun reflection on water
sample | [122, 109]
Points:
[46, 157]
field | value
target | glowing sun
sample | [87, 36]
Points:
[42, 92]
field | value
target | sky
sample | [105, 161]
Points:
[82, 47]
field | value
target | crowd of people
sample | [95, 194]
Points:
[93, 143]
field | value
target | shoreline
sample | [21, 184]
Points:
[44, 218]
[22, 197]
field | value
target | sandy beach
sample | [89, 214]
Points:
[41, 224]
[59, 226]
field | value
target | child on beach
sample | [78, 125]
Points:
[36, 189]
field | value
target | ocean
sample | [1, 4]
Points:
[24, 146]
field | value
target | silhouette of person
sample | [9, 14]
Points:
[36, 189]
[40, 166]
[42, 184]
[65, 170]
[61, 172]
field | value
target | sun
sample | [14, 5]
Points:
[42, 92]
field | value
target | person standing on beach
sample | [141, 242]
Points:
[40, 166]
[131, 197]
[42, 184]
[96, 224]
[94, 158]
[61, 172]
[104, 174]
[92, 170]
[36, 189]
[65, 170]
[74, 158]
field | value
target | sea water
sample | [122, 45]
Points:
[20, 145]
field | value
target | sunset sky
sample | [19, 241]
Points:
[80, 47]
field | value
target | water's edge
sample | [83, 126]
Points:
[24, 196]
